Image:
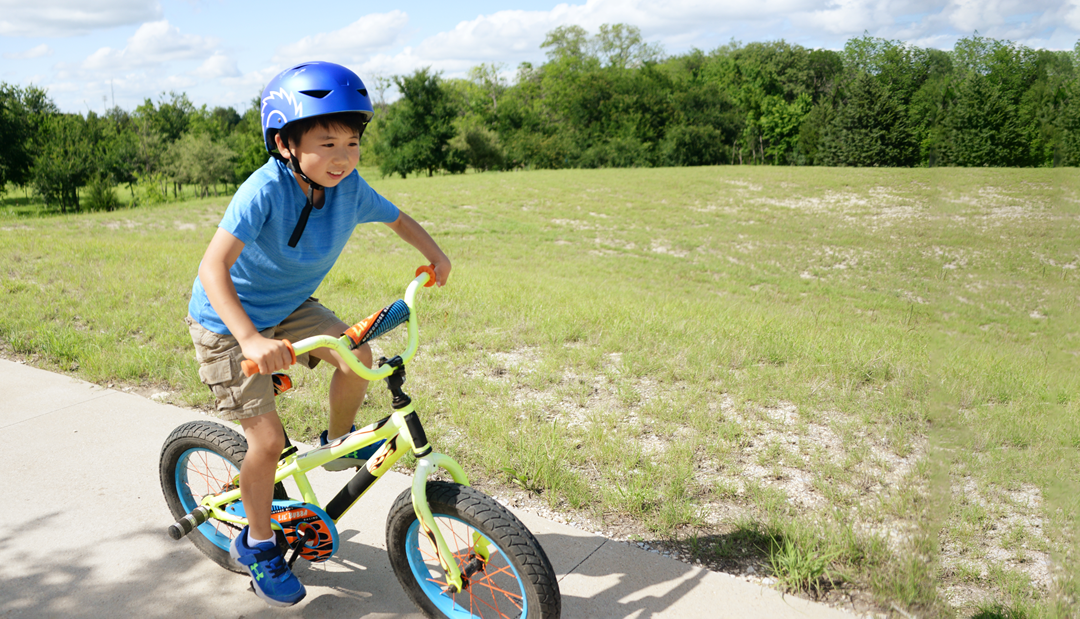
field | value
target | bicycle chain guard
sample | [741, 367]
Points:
[297, 518]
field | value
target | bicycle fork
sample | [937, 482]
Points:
[410, 429]
[427, 462]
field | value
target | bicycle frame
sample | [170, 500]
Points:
[401, 430]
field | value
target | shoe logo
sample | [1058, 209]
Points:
[255, 571]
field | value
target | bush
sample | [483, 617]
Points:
[101, 196]
[694, 145]
[478, 145]
[618, 153]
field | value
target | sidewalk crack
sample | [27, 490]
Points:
[55, 410]
[587, 557]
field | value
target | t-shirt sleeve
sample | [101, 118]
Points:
[246, 214]
[374, 207]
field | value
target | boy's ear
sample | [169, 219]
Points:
[281, 145]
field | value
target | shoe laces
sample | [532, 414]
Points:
[274, 566]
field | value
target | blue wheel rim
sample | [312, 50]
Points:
[184, 466]
[429, 576]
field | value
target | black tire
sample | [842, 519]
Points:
[213, 453]
[518, 566]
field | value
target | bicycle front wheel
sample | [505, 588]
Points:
[202, 458]
[516, 579]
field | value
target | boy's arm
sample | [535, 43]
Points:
[415, 235]
[224, 249]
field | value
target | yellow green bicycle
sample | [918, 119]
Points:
[457, 552]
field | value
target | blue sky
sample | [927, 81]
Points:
[89, 53]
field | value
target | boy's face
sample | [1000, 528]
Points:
[326, 155]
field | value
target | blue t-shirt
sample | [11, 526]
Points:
[271, 278]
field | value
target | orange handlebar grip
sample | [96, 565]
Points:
[250, 368]
[430, 270]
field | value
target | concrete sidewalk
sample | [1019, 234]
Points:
[83, 532]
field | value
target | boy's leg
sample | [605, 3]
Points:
[248, 400]
[266, 439]
[347, 388]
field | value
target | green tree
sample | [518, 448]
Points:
[487, 78]
[198, 159]
[780, 124]
[1068, 124]
[64, 160]
[478, 144]
[14, 134]
[218, 123]
[568, 44]
[980, 126]
[621, 46]
[418, 128]
[870, 128]
[169, 118]
[246, 142]
[812, 132]
[21, 112]
[694, 145]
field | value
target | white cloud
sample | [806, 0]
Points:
[153, 43]
[39, 51]
[216, 66]
[845, 16]
[365, 36]
[29, 18]
[513, 36]
[1072, 14]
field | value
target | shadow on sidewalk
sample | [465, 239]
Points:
[111, 578]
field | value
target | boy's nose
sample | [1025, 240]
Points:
[340, 155]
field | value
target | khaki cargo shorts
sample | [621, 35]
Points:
[219, 357]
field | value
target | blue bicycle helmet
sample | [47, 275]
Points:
[308, 90]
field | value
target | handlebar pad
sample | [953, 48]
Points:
[250, 368]
[430, 270]
[378, 323]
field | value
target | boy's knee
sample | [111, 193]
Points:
[363, 354]
[266, 445]
[265, 436]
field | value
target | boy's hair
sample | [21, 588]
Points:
[292, 133]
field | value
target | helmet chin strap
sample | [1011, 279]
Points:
[294, 165]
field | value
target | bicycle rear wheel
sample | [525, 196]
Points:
[517, 580]
[202, 458]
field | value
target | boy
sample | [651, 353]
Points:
[281, 234]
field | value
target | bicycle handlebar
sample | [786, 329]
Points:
[371, 327]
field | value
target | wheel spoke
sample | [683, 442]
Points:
[473, 527]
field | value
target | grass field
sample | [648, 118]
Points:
[861, 384]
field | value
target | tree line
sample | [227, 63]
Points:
[607, 99]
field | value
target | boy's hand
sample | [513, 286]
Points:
[270, 355]
[442, 271]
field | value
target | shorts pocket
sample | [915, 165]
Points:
[216, 372]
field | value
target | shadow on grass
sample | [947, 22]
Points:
[796, 565]
[23, 207]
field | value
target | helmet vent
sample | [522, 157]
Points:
[318, 94]
[362, 91]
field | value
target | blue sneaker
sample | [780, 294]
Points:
[356, 459]
[271, 578]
